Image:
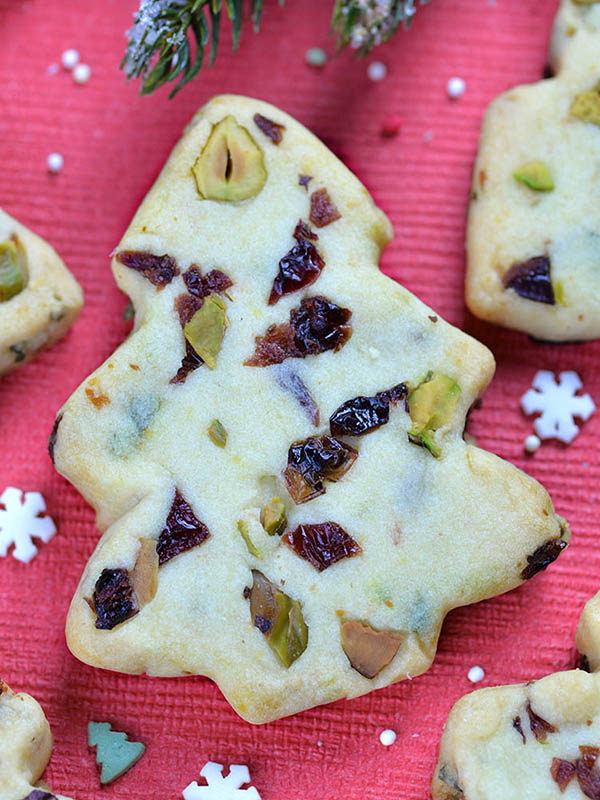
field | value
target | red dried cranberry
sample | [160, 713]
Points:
[360, 415]
[322, 210]
[159, 270]
[183, 530]
[589, 779]
[562, 772]
[53, 436]
[186, 306]
[539, 727]
[304, 180]
[189, 363]
[531, 279]
[114, 599]
[38, 794]
[314, 460]
[545, 554]
[271, 129]
[300, 267]
[202, 285]
[517, 726]
[323, 544]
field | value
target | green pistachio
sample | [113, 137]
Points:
[280, 619]
[536, 175]
[12, 273]
[245, 533]
[272, 517]
[217, 433]
[206, 329]
[586, 106]
[431, 406]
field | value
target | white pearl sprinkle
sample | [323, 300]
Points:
[377, 70]
[55, 162]
[532, 443]
[387, 737]
[69, 58]
[476, 674]
[82, 73]
[456, 87]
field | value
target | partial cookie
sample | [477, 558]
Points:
[533, 241]
[25, 747]
[533, 740]
[276, 451]
[39, 298]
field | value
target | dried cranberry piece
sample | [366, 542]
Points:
[589, 780]
[360, 415]
[186, 306]
[159, 270]
[322, 210]
[584, 663]
[300, 267]
[562, 772]
[314, 460]
[202, 285]
[531, 279]
[315, 326]
[262, 623]
[544, 555]
[271, 129]
[323, 544]
[114, 599]
[517, 726]
[53, 436]
[396, 394]
[304, 180]
[539, 727]
[589, 755]
[183, 530]
[38, 794]
[189, 363]
[320, 325]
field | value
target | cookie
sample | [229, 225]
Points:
[25, 747]
[276, 453]
[533, 252]
[39, 298]
[531, 740]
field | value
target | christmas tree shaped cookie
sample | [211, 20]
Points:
[276, 453]
[533, 239]
[25, 747]
[39, 298]
[538, 740]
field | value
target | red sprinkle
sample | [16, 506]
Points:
[392, 124]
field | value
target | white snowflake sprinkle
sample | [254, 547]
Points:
[558, 404]
[82, 73]
[69, 58]
[55, 162]
[387, 737]
[220, 788]
[475, 674]
[456, 87]
[20, 521]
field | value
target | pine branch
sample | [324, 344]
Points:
[168, 39]
[364, 24]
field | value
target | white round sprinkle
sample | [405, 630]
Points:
[69, 58]
[387, 737]
[81, 73]
[319, 743]
[476, 674]
[316, 57]
[55, 162]
[456, 87]
[377, 70]
[532, 443]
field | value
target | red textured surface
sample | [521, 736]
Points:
[114, 144]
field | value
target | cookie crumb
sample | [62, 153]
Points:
[82, 73]
[70, 58]
[377, 71]
[55, 162]
[456, 87]
[387, 737]
[475, 674]
[532, 443]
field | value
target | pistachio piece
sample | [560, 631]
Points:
[431, 406]
[12, 272]
[536, 175]
[231, 165]
[272, 517]
[144, 575]
[217, 433]
[368, 650]
[586, 106]
[245, 533]
[279, 618]
[206, 329]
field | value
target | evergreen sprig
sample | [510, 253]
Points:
[168, 40]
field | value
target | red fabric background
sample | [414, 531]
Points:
[114, 144]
